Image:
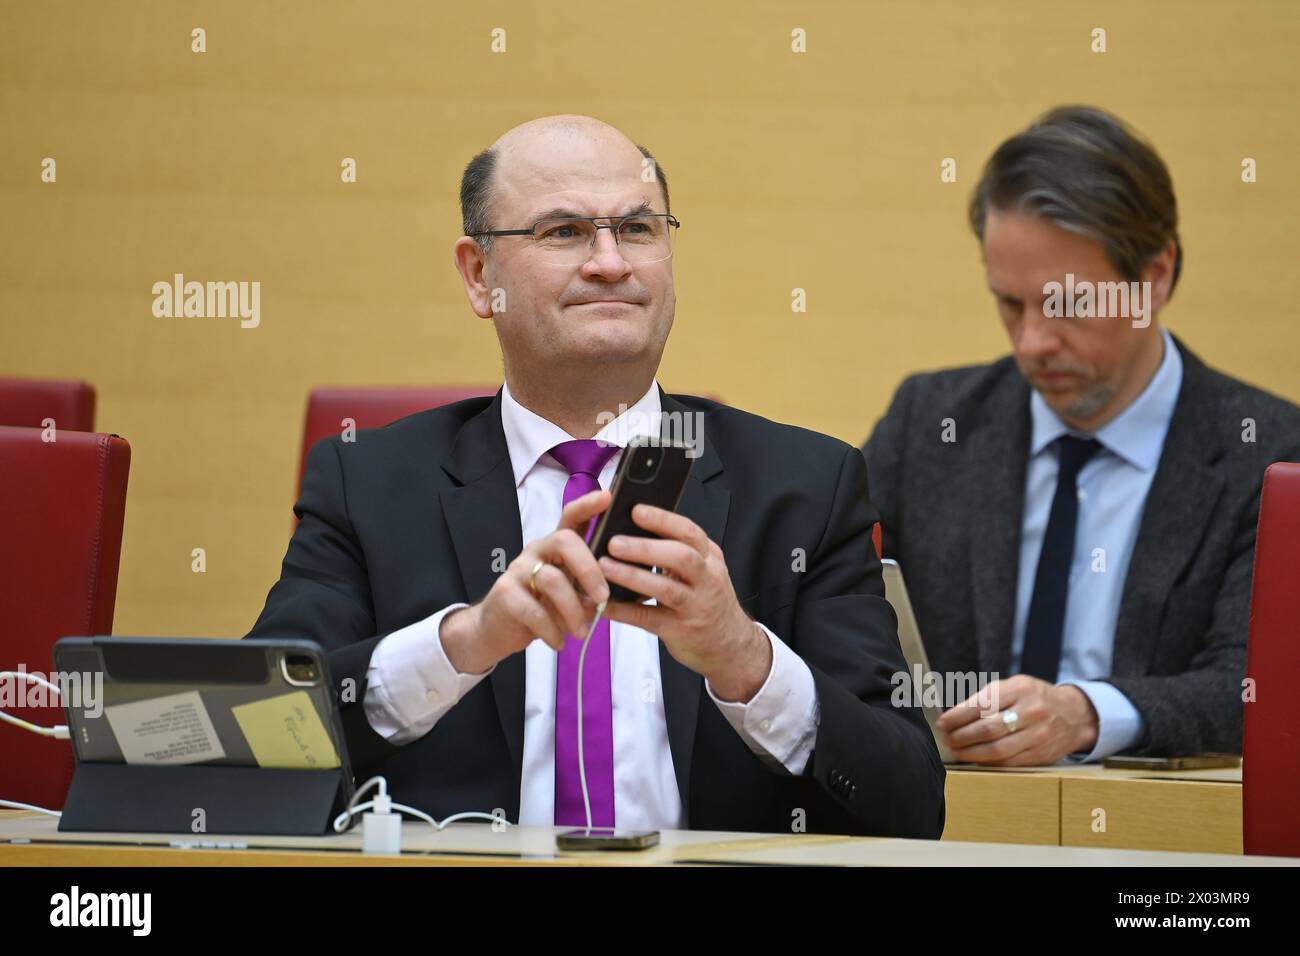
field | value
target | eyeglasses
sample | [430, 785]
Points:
[641, 238]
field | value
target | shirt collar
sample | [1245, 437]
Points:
[529, 436]
[1136, 434]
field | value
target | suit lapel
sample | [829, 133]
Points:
[482, 515]
[1185, 489]
[994, 481]
[706, 503]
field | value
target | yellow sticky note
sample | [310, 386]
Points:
[286, 731]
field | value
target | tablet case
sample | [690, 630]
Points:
[203, 798]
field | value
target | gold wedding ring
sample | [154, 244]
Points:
[532, 578]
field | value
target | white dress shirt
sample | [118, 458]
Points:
[1113, 488]
[411, 683]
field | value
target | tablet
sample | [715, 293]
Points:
[174, 702]
[909, 638]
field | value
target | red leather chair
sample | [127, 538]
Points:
[1271, 744]
[371, 408]
[27, 402]
[61, 513]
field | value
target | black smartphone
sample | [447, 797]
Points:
[606, 838]
[652, 472]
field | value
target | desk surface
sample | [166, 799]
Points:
[33, 840]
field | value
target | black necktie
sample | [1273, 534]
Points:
[1042, 652]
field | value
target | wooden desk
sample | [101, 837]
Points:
[998, 807]
[1091, 806]
[468, 844]
[1056, 806]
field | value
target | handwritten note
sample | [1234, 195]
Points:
[287, 732]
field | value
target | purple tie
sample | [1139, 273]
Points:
[583, 460]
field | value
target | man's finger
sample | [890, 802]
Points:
[984, 730]
[961, 715]
[988, 700]
[669, 524]
[647, 617]
[675, 556]
[1004, 749]
[521, 606]
[578, 513]
[667, 591]
[565, 608]
[569, 552]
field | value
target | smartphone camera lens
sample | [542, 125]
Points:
[646, 467]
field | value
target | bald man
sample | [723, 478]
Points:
[440, 560]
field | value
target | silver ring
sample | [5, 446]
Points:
[1011, 721]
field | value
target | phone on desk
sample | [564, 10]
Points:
[606, 838]
[649, 474]
[1193, 762]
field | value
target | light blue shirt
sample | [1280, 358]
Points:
[1113, 488]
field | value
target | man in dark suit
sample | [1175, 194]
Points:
[1081, 514]
[440, 560]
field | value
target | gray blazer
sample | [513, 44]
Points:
[951, 515]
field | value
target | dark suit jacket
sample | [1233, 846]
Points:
[404, 521]
[951, 513]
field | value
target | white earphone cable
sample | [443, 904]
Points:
[582, 763]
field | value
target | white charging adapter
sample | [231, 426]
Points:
[381, 828]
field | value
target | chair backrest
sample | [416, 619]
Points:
[371, 408]
[1271, 743]
[28, 402]
[61, 514]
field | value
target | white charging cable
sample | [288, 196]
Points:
[15, 805]
[582, 750]
[58, 731]
[383, 805]
[383, 827]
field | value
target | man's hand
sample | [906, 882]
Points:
[512, 615]
[1053, 721]
[697, 615]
